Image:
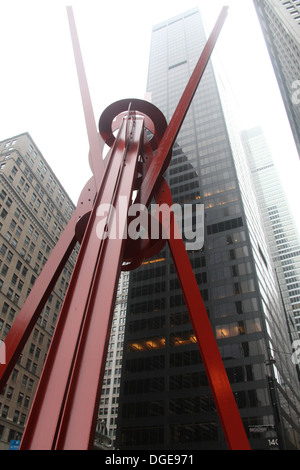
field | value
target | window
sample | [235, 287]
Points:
[10, 392]
[22, 419]
[24, 380]
[4, 270]
[5, 411]
[8, 202]
[16, 416]
[26, 401]
[20, 398]
[3, 213]
[3, 249]
[24, 271]
[5, 308]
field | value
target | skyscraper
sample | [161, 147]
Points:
[280, 23]
[34, 210]
[280, 227]
[165, 399]
[109, 403]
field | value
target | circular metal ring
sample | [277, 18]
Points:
[155, 121]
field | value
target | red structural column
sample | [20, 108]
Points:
[76, 359]
[221, 389]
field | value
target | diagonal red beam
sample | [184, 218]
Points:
[228, 411]
[96, 162]
[35, 302]
[160, 163]
[229, 415]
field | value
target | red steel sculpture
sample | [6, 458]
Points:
[64, 411]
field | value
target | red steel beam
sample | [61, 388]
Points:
[48, 406]
[160, 162]
[96, 163]
[35, 302]
[228, 411]
[65, 409]
[82, 402]
[224, 399]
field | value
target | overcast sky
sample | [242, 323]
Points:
[39, 91]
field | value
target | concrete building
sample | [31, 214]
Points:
[34, 210]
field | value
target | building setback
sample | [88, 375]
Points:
[280, 227]
[280, 24]
[34, 210]
[165, 400]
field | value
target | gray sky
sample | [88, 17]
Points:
[39, 91]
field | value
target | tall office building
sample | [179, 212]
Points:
[165, 401]
[34, 210]
[109, 402]
[280, 227]
[280, 23]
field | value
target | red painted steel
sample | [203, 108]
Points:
[53, 385]
[90, 360]
[160, 163]
[35, 302]
[96, 164]
[64, 411]
[225, 403]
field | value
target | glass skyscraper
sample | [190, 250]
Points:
[280, 24]
[280, 227]
[165, 401]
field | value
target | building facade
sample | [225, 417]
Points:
[34, 210]
[109, 402]
[165, 401]
[280, 227]
[280, 23]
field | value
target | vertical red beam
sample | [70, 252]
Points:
[82, 401]
[48, 407]
[40, 430]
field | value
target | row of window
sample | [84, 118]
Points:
[185, 338]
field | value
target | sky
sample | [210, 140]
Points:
[39, 91]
